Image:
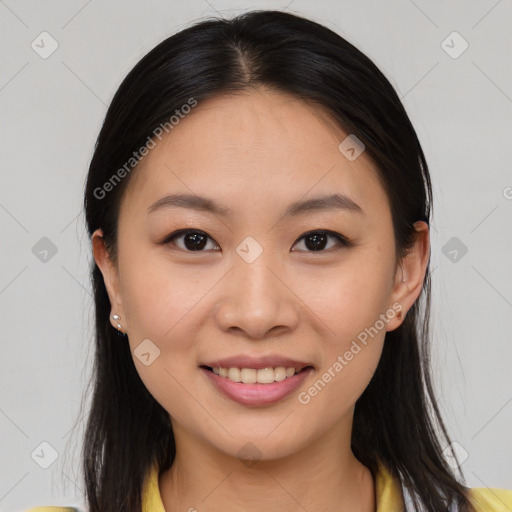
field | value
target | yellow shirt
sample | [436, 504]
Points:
[387, 490]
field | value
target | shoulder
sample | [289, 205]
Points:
[487, 499]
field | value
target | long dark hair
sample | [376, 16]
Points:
[396, 420]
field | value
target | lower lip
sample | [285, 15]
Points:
[257, 394]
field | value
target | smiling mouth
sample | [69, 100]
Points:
[256, 375]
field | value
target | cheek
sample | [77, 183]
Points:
[159, 301]
[354, 304]
[157, 295]
[350, 298]
[333, 392]
[355, 308]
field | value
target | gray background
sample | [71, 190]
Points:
[52, 109]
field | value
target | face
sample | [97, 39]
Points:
[258, 277]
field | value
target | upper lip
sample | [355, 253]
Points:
[244, 361]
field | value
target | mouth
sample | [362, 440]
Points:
[256, 387]
[267, 375]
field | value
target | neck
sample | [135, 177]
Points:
[203, 478]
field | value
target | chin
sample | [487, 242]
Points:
[253, 449]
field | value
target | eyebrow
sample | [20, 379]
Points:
[322, 203]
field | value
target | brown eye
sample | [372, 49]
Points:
[192, 240]
[314, 241]
[317, 241]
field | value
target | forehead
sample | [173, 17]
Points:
[252, 119]
[254, 145]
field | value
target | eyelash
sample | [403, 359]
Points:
[342, 241]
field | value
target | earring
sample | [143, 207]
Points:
[119, 331]
[399, 315]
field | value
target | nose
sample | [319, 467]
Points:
[257, 302]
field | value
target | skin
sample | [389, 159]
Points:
[256, 153]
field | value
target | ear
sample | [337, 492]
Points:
[110, 278]
[410, 275]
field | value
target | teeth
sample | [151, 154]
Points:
[234, 375]
[253, 375]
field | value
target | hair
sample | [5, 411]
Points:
[396, 419]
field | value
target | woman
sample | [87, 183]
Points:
[259, 206]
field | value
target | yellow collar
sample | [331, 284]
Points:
[388, 492]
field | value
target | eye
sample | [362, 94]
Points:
[316, 241]
[193, 240]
